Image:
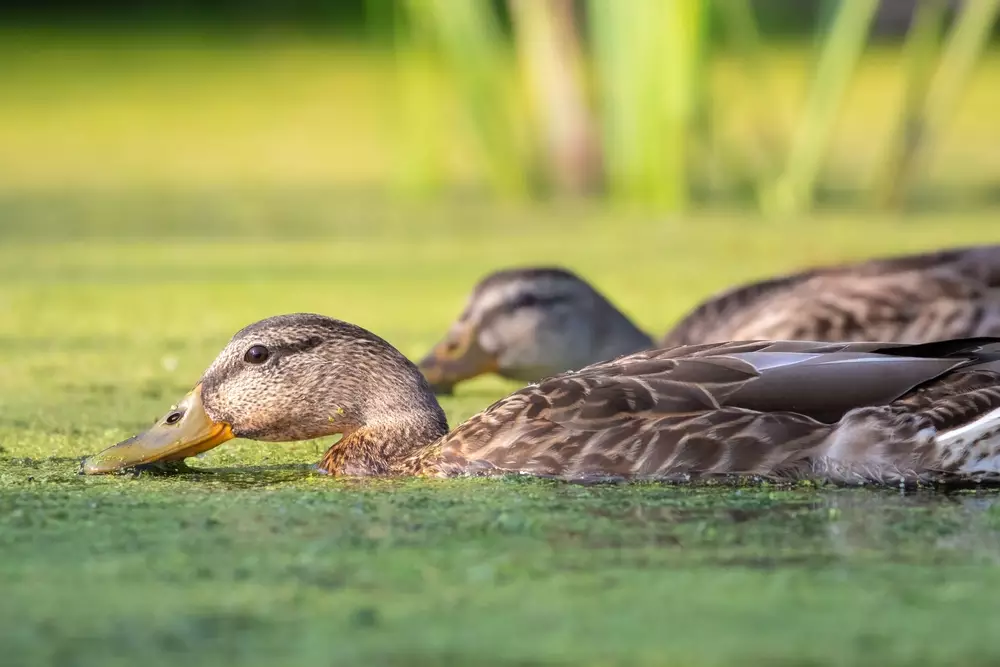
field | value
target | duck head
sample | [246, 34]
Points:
[287, 378]
[530, 323]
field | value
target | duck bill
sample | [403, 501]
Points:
[185, 431]
[443, 368]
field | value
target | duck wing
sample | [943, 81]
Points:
[745, 408]
[910, 299]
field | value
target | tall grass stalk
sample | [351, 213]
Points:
[551, 59]
[767, 142]
[686, 90]
[620, 38]
[794, 190]
[969, 35]
[418, 126]
[480, 64]
[646, 54]
[920, 52]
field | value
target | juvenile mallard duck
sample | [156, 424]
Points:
[526, 324]
[530, 323]
[846, 412]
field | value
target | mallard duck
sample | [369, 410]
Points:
[527, 324]
[846, 412]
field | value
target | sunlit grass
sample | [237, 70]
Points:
[81, 111]
[174, 110]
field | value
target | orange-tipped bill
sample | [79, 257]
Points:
[184, 431]
[450, 363]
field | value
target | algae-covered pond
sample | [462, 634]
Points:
[268, 565]
[262, 562]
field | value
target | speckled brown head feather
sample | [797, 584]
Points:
[529, 323]
[304, 376]
[848, 412]
[321, 376]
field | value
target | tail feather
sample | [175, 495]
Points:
[971, 449]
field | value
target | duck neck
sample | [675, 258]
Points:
[627, 340]
[404, 443]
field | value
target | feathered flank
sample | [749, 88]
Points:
[910, 299]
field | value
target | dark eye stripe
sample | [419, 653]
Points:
[303, 345]
[529, 300]
[523, 301]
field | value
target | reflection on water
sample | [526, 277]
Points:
[926, 524]
[766, 529]
[757, 526]
[248, 477]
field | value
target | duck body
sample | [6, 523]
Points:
[849, 413]
[845, 412]
[528, 324]
[908, 299]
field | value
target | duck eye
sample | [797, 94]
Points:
[257, 354]
[525, 301]
[453, 348]
[173, 417]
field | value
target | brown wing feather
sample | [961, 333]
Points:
[759, 408]
[955, 399]
[915, 298]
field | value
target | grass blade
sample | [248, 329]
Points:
[419, 168]
[647, 54]
[794, 190]
[968, 37]
[551, 59]
[920, 50]
[469, 37]
[740, 26]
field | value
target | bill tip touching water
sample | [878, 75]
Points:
[845, 412]
[184, 431]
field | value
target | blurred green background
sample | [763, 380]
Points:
[171, 171]
[771, 106]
